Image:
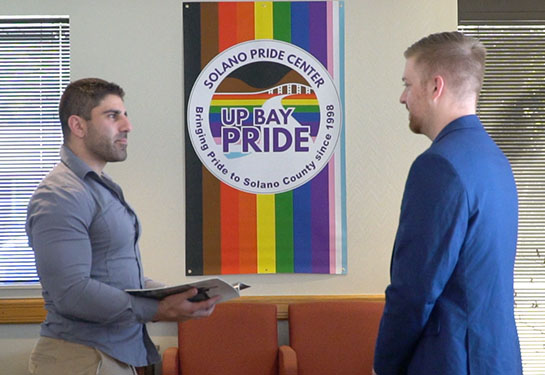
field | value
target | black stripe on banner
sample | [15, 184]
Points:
[193, 166]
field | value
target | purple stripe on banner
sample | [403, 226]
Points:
[318, 30]
[215, 127]
[319, 185]
[320, 222]
[312, 120]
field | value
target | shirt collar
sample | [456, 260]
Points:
[78, 166]
[464, 122]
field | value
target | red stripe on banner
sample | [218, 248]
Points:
[238, 223]
[247, 204]
[227, 32]
[227, 25]
[259, 96]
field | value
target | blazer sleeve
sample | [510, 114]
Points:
[432, 227]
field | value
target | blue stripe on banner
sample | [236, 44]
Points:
[300, 25]
[302, 237]
[216, 118]
[305, 117]
[302, 244]
[343, 146]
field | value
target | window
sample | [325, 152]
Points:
[34, 70]
[512, 109]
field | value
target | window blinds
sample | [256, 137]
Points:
[512, 109]
[34, 70]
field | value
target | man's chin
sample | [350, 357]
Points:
[118, 157]
[415, 128]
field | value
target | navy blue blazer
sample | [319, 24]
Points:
[449, 307]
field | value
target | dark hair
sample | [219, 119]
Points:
[454, 55]
[81, 96]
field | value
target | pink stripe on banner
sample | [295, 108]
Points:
[332, 227]
[331, 165]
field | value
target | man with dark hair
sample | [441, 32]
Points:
[449, 306]
[80, 97]
[85, 239]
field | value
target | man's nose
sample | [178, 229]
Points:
[126, 125]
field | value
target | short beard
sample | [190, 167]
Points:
[107, 151]
[415, 124]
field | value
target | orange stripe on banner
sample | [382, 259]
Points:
[245, 21]
[229, 229]
[247, 221]
[227, 25]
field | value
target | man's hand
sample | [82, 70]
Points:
[177, 307]
[374, 373]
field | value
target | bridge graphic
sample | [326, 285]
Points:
[289, 88]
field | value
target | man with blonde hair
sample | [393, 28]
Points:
[449, 306]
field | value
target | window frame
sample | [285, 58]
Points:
[35, 56]
[511, 108]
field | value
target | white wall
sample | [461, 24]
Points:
[138, 44]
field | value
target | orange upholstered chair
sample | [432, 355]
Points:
[332, 337]
[237, 339]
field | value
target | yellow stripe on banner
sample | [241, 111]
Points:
[236, 102]
[266, 236]
[300, 101]
[264, 20]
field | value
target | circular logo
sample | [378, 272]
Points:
[264, 116]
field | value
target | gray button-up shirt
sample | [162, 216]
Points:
[85, 240]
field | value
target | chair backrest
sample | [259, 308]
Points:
[238, 338]
[334, 337]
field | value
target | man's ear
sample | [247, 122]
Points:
[78, 126]
[438, 87]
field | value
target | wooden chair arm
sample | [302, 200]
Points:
[171, 362]
[287, 361]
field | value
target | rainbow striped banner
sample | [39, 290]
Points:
[231, 229]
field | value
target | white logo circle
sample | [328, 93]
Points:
[271, 140]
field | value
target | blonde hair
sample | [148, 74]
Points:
[460, 59]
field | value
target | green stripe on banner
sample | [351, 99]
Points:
[284, 232]
[284, 201]
[307, 108]
[282, 21]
